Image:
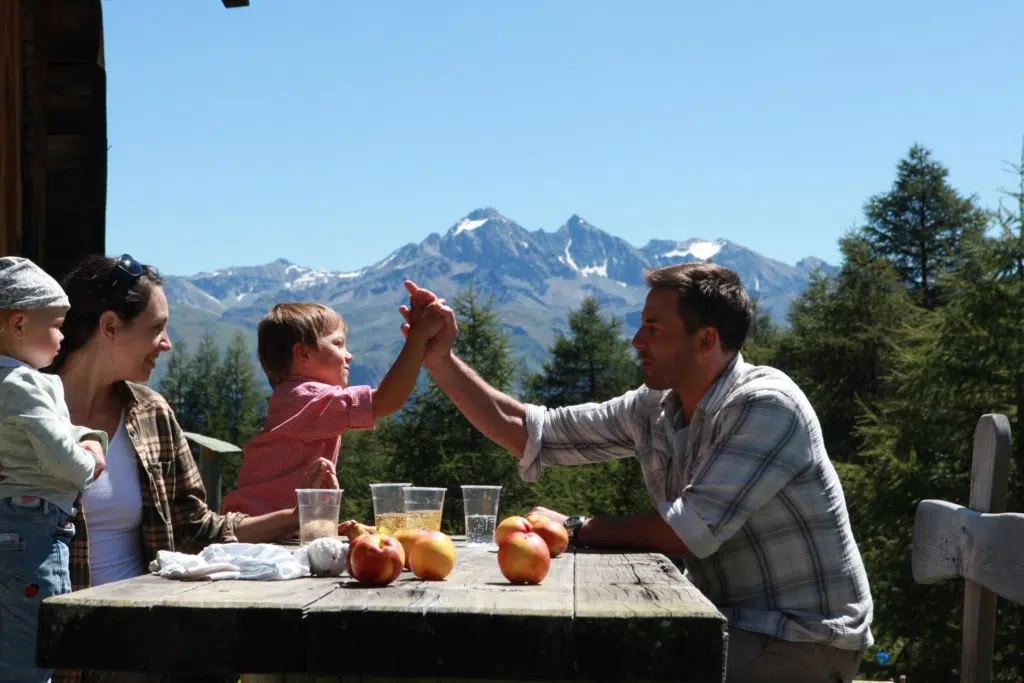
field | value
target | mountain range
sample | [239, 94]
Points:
[534, 278]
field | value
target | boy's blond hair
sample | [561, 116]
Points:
[287, 325]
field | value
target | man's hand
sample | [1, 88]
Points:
[556, 517]
[441, 344]
[426, 323]
[320, 475]
[96, 449]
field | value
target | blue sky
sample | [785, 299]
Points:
[330, 132]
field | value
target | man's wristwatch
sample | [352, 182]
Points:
[572, 525]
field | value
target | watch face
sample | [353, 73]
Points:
[570, 522]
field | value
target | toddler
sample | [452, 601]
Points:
[45, 462]
[302, 350]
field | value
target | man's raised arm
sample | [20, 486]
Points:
[497, 416]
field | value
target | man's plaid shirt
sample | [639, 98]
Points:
[174, 511]
[749, 489]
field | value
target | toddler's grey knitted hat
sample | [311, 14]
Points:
[24, 286]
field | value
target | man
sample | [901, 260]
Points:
[733, 459]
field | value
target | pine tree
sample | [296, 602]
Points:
[840, 345]
[174, 386]
[592, 364]
[963, 360]
[763, 337]
[240, 405]
[919, 224]
[199, 405]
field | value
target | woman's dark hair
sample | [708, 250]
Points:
[99, 284]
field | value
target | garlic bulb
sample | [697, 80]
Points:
[327, 556]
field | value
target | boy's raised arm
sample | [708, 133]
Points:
[398, 383]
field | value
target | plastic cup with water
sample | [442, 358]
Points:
[423, 507]
[318, 513]
[481, 505]
[388, 507]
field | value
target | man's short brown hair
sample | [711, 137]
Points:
[287, 325]
[710, 295]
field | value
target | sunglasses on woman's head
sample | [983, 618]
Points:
[126, 271]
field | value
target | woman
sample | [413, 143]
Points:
[151, 496]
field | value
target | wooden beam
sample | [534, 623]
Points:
[235, 3]
[10, 130]
[952, 541]
[76, 135]
[34, 48]
[976, 543]
[210, 466]
[990, 471]
[53, 144]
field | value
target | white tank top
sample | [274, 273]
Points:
[113, 514]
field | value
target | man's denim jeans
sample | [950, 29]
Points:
[34, 564]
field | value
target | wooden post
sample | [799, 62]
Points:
[209, 464]
[989, 472]
[10, 127]
[53, 140]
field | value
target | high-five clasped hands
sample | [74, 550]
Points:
[422, 301]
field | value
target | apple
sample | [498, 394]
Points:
[352, 529]
[554, 534]
[375, 560]
[524, 557]
[432, 556]
[536, 518]
[407, 537]
[510, 525]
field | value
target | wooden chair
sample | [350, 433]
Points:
[981, 543]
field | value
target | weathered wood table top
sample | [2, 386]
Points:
[596, 616]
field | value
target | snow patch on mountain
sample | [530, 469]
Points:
[700, 249]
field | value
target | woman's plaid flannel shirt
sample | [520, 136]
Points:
[174, 511]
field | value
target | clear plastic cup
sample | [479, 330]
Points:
[481, 506]
[423, 507]
[318, 513]
[388, 507]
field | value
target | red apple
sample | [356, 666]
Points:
[408, 537]
[554, 534]
[432, 556]
[524, 557]
[510, 525]
[536, 518]
[375, 560]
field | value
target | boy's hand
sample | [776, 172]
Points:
[96, 449]
[426, 322]
[440, 344]
[320, 475]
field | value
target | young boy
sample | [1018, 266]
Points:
[302, 350]
[45, 462]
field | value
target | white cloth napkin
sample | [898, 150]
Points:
[248, 561]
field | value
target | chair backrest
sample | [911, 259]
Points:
[210, 465]
[981, 543]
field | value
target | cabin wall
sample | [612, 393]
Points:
[10, 127]
[54, 105]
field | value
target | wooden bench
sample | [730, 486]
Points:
[981, 543]
[596, 616]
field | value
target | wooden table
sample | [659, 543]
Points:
[597, 616]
